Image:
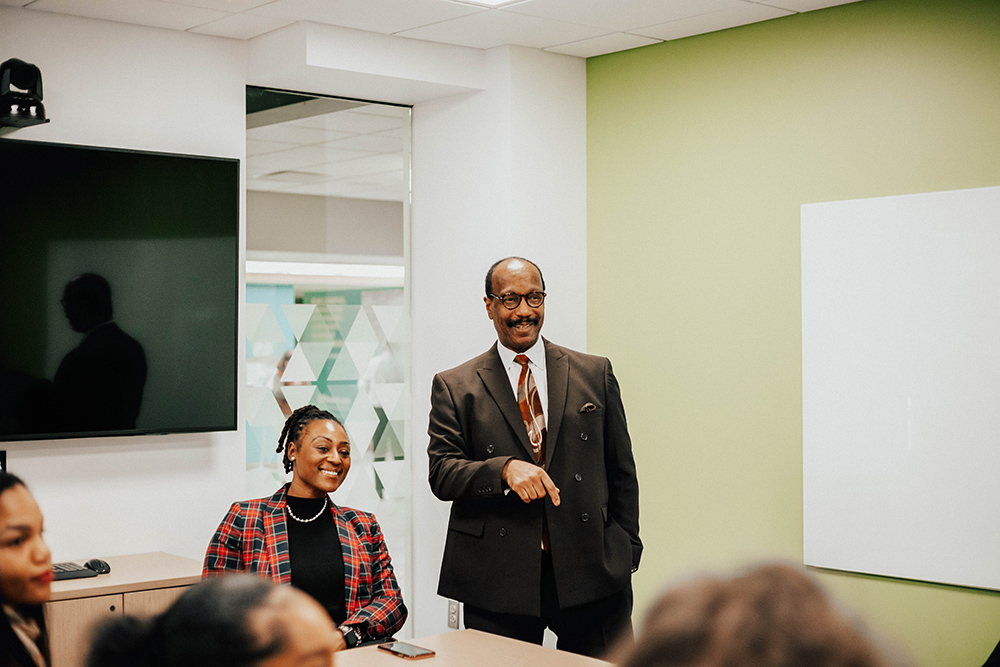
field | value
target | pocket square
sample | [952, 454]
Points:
[588, 407]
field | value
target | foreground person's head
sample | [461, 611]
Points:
[25, 559]
[232, 620]
[772, 616]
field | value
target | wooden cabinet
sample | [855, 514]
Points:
[138, 585]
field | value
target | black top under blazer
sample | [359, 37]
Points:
[492, 555]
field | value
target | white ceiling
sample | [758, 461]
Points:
[576, 27]
[359, 151]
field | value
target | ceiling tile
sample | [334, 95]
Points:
[372, 164]
[598, 46]
[303, 158]
[727, 18]
[140, 12]
[241, 26]
[295, 134]
[493, 28]
[390, 110]
[373, 143]
[229, 6]
[351, 122]
[805, 5]
[262, 146]
[385, 16]
[621, 15]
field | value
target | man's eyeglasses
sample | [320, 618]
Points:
[512, 301]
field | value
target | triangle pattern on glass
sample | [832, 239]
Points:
[299, 395]
[254, 450]
[361, 424]
[343, 369]
[361, 351]
[388, 448]
[252, 399]
[388, 396]
[388, 318]
[393, 476]
[340, 319]
[316, 354]
[318, 328]
[363, 495]
[268, 414]
[298, 368]
[251, 320]
[362, 331]
[268, 330]
[298, 315]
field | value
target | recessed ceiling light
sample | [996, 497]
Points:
[489, 3]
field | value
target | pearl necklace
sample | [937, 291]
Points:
[318, 514]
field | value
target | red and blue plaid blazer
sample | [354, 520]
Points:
[253, 537]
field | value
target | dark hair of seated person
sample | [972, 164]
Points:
[774, 615]
[207, 626]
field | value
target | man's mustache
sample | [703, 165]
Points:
[516, 321]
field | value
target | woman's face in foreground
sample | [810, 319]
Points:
[25, 559]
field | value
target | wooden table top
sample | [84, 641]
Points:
[463, 648]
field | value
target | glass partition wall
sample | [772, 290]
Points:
[327, 313]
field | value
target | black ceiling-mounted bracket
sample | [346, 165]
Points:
[20, 96]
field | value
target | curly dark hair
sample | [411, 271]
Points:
[293, 426]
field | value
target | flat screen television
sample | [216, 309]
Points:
[119, 291]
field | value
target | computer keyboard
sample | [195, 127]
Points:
[71, 571]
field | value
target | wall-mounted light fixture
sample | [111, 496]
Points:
[20, 96]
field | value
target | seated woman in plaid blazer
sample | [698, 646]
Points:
[336, 554]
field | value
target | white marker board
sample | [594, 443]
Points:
[901, 386]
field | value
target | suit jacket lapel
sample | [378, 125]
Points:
[557, 376]
[494, 377]
[349, 548]
[276, 533]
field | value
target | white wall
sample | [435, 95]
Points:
[499, 146]
[496, 173]
[110, 84]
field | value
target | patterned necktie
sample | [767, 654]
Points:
[531, 409]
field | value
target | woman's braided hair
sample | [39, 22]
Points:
[293, 426]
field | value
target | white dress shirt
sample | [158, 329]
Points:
[536, 362]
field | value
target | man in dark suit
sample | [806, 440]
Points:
[529, 441]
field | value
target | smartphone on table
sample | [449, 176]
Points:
[407, 651]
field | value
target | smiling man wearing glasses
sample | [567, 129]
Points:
[529, 442]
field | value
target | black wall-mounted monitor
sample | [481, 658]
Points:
[119, 291]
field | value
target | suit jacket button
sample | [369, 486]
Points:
[489, 449]
[503, 532]
[578, 477]
[583, 436]
[585, 517]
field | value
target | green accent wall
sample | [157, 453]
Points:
[700, 153]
